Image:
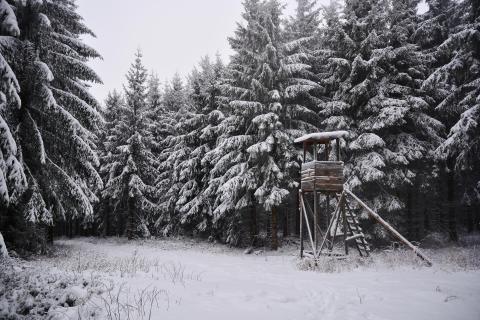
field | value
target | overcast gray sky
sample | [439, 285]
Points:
[173, 35]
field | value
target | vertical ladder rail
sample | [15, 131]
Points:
[363, 242]
[353, 232]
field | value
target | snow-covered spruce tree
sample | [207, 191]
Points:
[177, 110]
[175, 94]
[159, 120]
[455, 86]
[109, 224]
[191, 173]
[348, 44]
[305, 22]
[57, 114]
[298, 56]
[228, 176]
[12, 177]
[412, 133]
[332, 67]
[130, 162]
[255, 154]
[432, 30]
[302, 47]
[377, 73]
[154, 94]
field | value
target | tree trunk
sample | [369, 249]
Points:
[452, 218]
[106, 220]
[253, 221]
[426, 222]
[410, 223]
[285, 222]
[274, 234]
[130, 229]
[297, 214]
[51, 232]
[70, 228]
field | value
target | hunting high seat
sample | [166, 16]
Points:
[322, 175]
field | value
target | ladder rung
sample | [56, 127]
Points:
[356, 237]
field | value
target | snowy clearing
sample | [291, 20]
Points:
[183, 279]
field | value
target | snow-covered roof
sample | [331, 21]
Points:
[322, 137]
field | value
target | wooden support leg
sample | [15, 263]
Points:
[308, 226]
[328, 215]
[345, 226]
[309, 213]
[315, 218]
[301, 223]
[336, 215]
[334, 232]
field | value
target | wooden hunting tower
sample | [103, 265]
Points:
[322, 175]
[322, 178]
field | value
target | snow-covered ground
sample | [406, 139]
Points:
[188, 280]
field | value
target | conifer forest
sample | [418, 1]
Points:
[207, 159]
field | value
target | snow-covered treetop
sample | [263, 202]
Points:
[322, 137]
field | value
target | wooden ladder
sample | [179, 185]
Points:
[355, 233]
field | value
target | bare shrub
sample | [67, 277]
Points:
[121, 304]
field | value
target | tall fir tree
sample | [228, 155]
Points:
[299, 55]
[109, 223]
[193, 206]
[57, 113]
[376, 73]
[177, 111]
[255, 155]
[12, 177]
[175, 94]
[130, 163]
[454, 84]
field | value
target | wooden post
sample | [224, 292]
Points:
[338, 149]
[328, 216]
[301, 223]
[394, 232]
[308, 226]
[334, 231]
[315, 216]
[304, 152]
[345, 226]
[315, 202]
[336, 214]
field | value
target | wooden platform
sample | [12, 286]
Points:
[322, 176]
